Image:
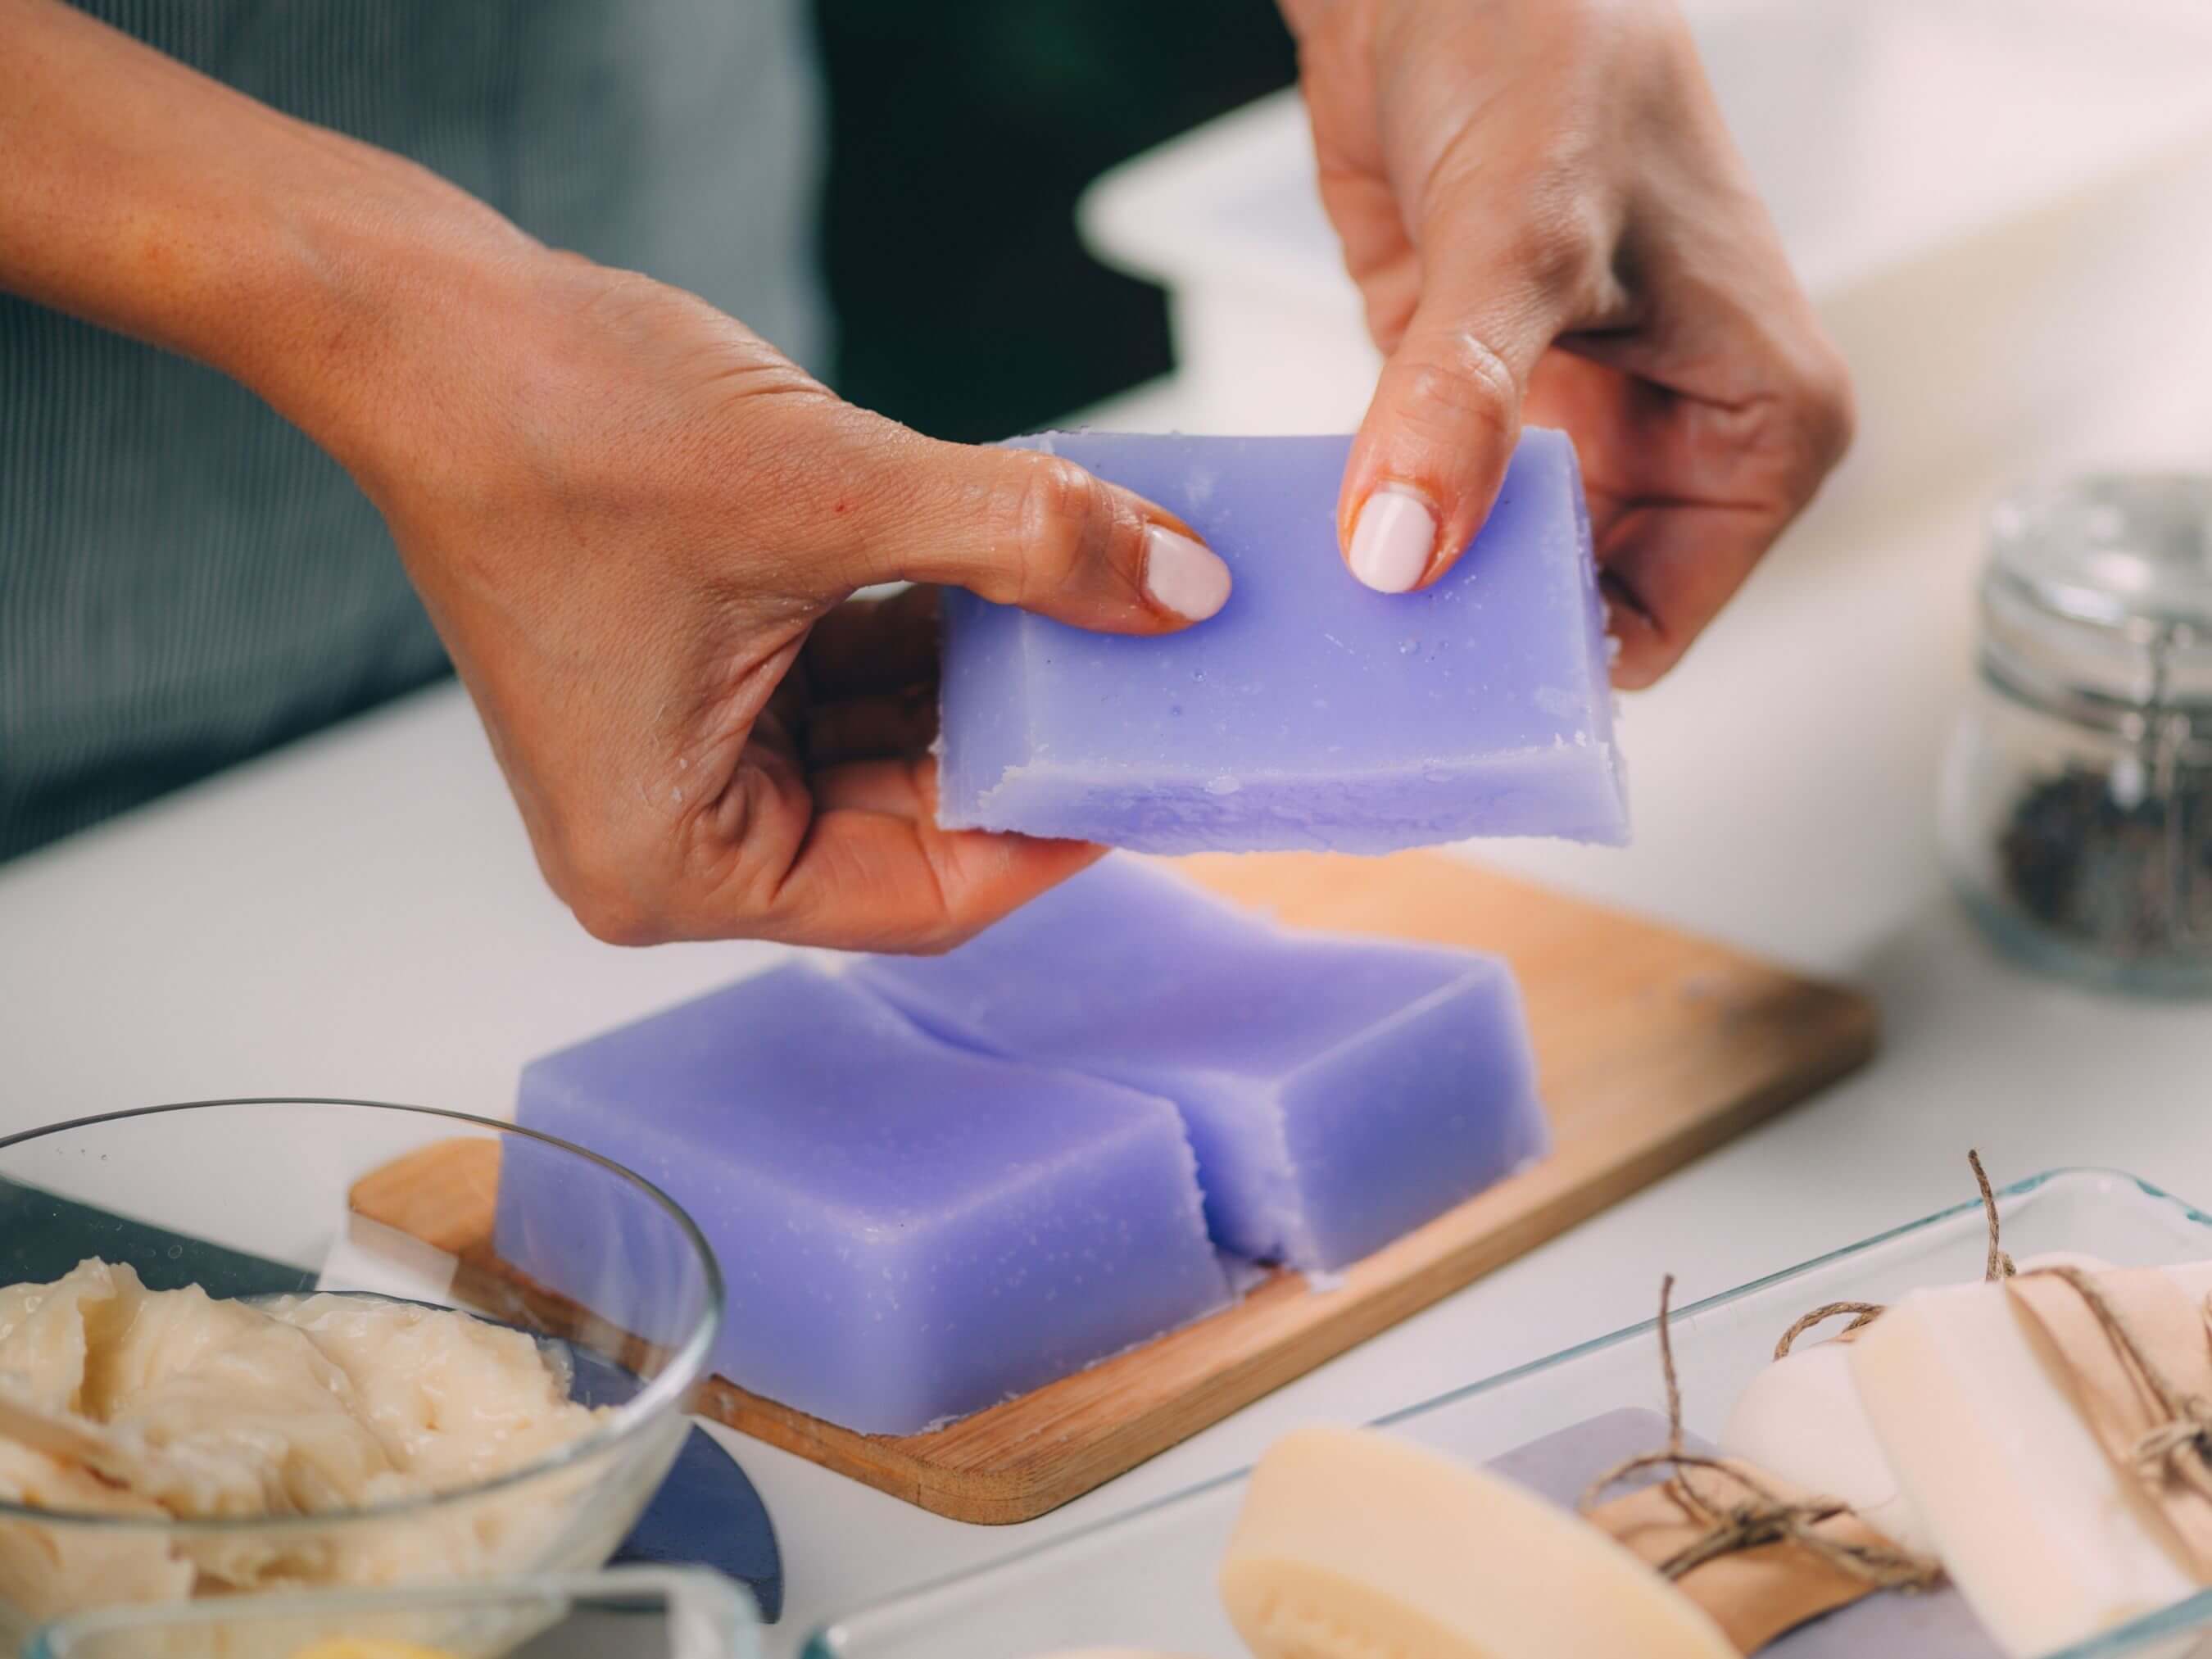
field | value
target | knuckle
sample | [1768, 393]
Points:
[1830, 408]
[1456, 381]
[599, 887]
[1055, 509]
[1641, 670]
[1558, 244]
[1815, 414]
[611, 916]
[1548, 230]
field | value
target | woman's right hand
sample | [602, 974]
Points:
[639, 530]
[636, 526]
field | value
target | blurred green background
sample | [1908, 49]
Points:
[961, 133]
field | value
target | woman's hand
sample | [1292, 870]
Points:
[1549, 222]
[637, 526]
[638, 529]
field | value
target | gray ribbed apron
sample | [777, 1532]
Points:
[184, 580]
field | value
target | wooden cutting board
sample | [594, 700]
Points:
[1652, 1048]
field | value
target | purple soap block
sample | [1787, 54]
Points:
[1311, 712]
[911, 1231]
[1339, 1091]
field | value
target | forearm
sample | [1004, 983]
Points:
[142, 195]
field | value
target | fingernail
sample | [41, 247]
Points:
[1393, 540]
[1184, 576]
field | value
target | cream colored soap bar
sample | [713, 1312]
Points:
[1354, 1543]
[1800, 1418]
[2046, 1540]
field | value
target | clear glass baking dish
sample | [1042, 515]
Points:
[1146, 1580]
[623, 1613]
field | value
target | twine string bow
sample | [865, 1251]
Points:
[1737, 1510]
[2181, 1445]
[1998, 1267]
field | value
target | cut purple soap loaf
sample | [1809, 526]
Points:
[936, 1184]
[1310, 713]
[1338, 1091]
[910, 1231]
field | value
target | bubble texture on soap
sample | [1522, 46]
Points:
[1310, 713]
[910, 1231]
[1339, 1091]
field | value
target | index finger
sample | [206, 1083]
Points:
[1497, 288]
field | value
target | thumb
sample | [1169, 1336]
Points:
[1038, 531]
[1446, 414]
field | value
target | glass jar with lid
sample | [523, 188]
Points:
[2077, 800]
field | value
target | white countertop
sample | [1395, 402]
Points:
[359, 915]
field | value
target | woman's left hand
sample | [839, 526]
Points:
[1548, 222]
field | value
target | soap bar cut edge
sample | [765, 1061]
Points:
[1138, 1144]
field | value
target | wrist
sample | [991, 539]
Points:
[359, 291]
[143, 196]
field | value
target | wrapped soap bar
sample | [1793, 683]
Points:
[1339, 1091]
[1800, 1418]
[2051, 1534]
[1311, 712]
[910, 1231]
[1525, 1562]
[1933, 1624]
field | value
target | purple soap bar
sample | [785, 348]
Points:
[911, 1232]
[1339, 1091]
[1311, 712]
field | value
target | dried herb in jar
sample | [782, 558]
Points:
[2132, 879]
[2078, 802]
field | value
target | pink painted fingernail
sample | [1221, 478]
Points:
[1184, 576]
[1393, 540]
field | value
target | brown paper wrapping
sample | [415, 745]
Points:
[1753, 1595]
[2119, 1400]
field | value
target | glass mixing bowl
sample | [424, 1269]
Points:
[638, 1613]
[254, 1199]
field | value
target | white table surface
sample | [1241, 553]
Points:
[359, 915]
